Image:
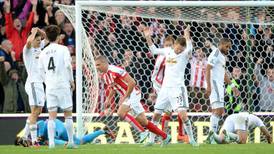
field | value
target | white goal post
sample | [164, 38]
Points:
[190, 12]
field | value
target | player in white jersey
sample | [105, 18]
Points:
[173, 92]
[215, 77]
[157, 78]
[55, 65]
[237, 126]
[34, 84]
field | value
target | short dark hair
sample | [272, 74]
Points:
[52, 32]
[101, 58]
[181, 40]
[224, 41]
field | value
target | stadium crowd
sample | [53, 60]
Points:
[120, 38]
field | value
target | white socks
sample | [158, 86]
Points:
[26, 129]
[214, 122]
[51, 133]
[33, 132]
[217, 138]
[152, 135]
[69, 127]
[188, 128]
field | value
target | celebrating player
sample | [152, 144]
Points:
[215, 77]
[237, 126]
[55, 65]
[157, 80]
[34, 84]
[61, 137]
[118, 80]
[173, 92]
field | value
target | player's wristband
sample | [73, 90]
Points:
[232, 85]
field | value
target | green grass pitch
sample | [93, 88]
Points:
[137, 149]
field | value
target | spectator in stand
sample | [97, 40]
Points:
[15, 32]
[15, 94]
[197, 87]
[69, 39]
[7, 53]
[266, 85]
[67, 2]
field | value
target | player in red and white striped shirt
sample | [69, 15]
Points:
[118, 80]
[198, 69]
[157, 80]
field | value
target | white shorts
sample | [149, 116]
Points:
[134, 103]
[173, 98]
[217, 96]
[236, 122]
[59, 98]
[36, 93]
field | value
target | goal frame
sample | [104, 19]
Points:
[79, 32]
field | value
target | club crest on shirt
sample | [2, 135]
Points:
[171, 61]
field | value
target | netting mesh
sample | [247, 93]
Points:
[116, 32]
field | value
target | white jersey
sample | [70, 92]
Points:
[217, 60]
[175, 64]
[55, 65]
[254, 121]
[242, 121]
[31, 61]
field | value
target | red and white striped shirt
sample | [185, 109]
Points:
[159, 70]
[114, 78]
[198, 71]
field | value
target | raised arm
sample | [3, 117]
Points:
[152, 47]
[189, 47]
[257, 70]
[8, 19]
[187, 33]
[31, 16]
[31, 37]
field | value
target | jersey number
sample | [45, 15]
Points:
[51, 65]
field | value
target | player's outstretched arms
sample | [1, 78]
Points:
[152, 47]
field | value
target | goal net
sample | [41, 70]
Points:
[114, 29]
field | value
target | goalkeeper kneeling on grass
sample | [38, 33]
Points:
[236, 128]
[61, 137]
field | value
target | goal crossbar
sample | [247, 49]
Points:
[178, 3]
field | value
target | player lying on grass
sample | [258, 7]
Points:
[236, 128]
[61, 137]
